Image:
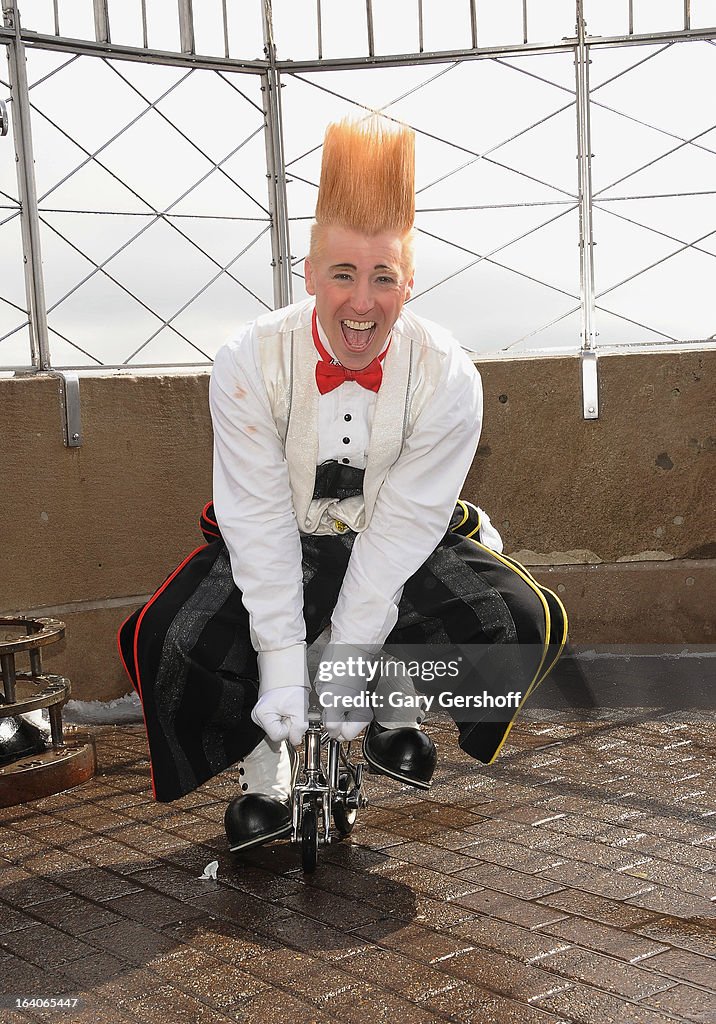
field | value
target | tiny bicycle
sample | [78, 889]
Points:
[326, 803]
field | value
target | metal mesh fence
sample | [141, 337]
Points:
[148, 212]
[654, 199]
[565, 175]
[488, 202]
[14, 318]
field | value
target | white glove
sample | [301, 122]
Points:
[282, 713]
[342, 682]
[341, 719]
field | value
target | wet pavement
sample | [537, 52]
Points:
[572, 880]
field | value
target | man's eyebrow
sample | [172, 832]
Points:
[352, 266]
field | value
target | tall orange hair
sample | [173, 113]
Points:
[367, 179]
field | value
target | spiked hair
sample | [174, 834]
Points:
[367, 180]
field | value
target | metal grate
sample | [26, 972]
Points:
[159, 208]
[171, 157]
[466, 248]
[15, 346]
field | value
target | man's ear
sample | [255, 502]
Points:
[308, 271]
[409, 287]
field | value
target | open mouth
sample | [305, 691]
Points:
[358, 334]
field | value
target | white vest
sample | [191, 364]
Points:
[411, 371]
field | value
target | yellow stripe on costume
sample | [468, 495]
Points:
[524, 575]
[565, 620]
[466, 515]
[565, 631]
[527, 576]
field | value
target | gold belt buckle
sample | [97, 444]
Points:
[339, 526]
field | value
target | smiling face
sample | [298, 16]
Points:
[360, 287]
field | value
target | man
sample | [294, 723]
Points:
[344, 427]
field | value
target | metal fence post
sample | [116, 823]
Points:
[588, 354]
[186, 26]
[27, 192]
[276, 169]
[101, 22]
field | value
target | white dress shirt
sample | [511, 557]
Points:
[254, 507]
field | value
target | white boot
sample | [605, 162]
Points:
[262, 812]
[270, 769]
[410, 710]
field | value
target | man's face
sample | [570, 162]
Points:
[360, 288]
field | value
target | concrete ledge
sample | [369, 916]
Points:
[609, 603]
[115, 516]
[636, 602]
[88, 654]
[628, 499]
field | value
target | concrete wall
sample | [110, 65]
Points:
[617, 514]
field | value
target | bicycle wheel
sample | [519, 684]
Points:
[309, 839]
[343, 818]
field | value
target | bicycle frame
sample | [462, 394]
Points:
[326, 791]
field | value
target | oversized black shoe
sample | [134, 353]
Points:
[406, 755]
[255, 819]
[263, 811]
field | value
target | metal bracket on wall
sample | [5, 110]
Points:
[590, 384]
[70, 405]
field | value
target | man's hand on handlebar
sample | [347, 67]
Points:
[342, 686]
[282, 713]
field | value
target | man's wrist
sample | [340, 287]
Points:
[348, 666]
[281, 668]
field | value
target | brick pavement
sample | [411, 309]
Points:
[573, 880]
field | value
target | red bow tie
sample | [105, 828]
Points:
[330, 375]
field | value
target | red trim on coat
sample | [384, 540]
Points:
[150, 602]
[203, 512]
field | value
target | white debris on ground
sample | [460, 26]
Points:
[210, 871]
[120, 711]
[126, 710]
